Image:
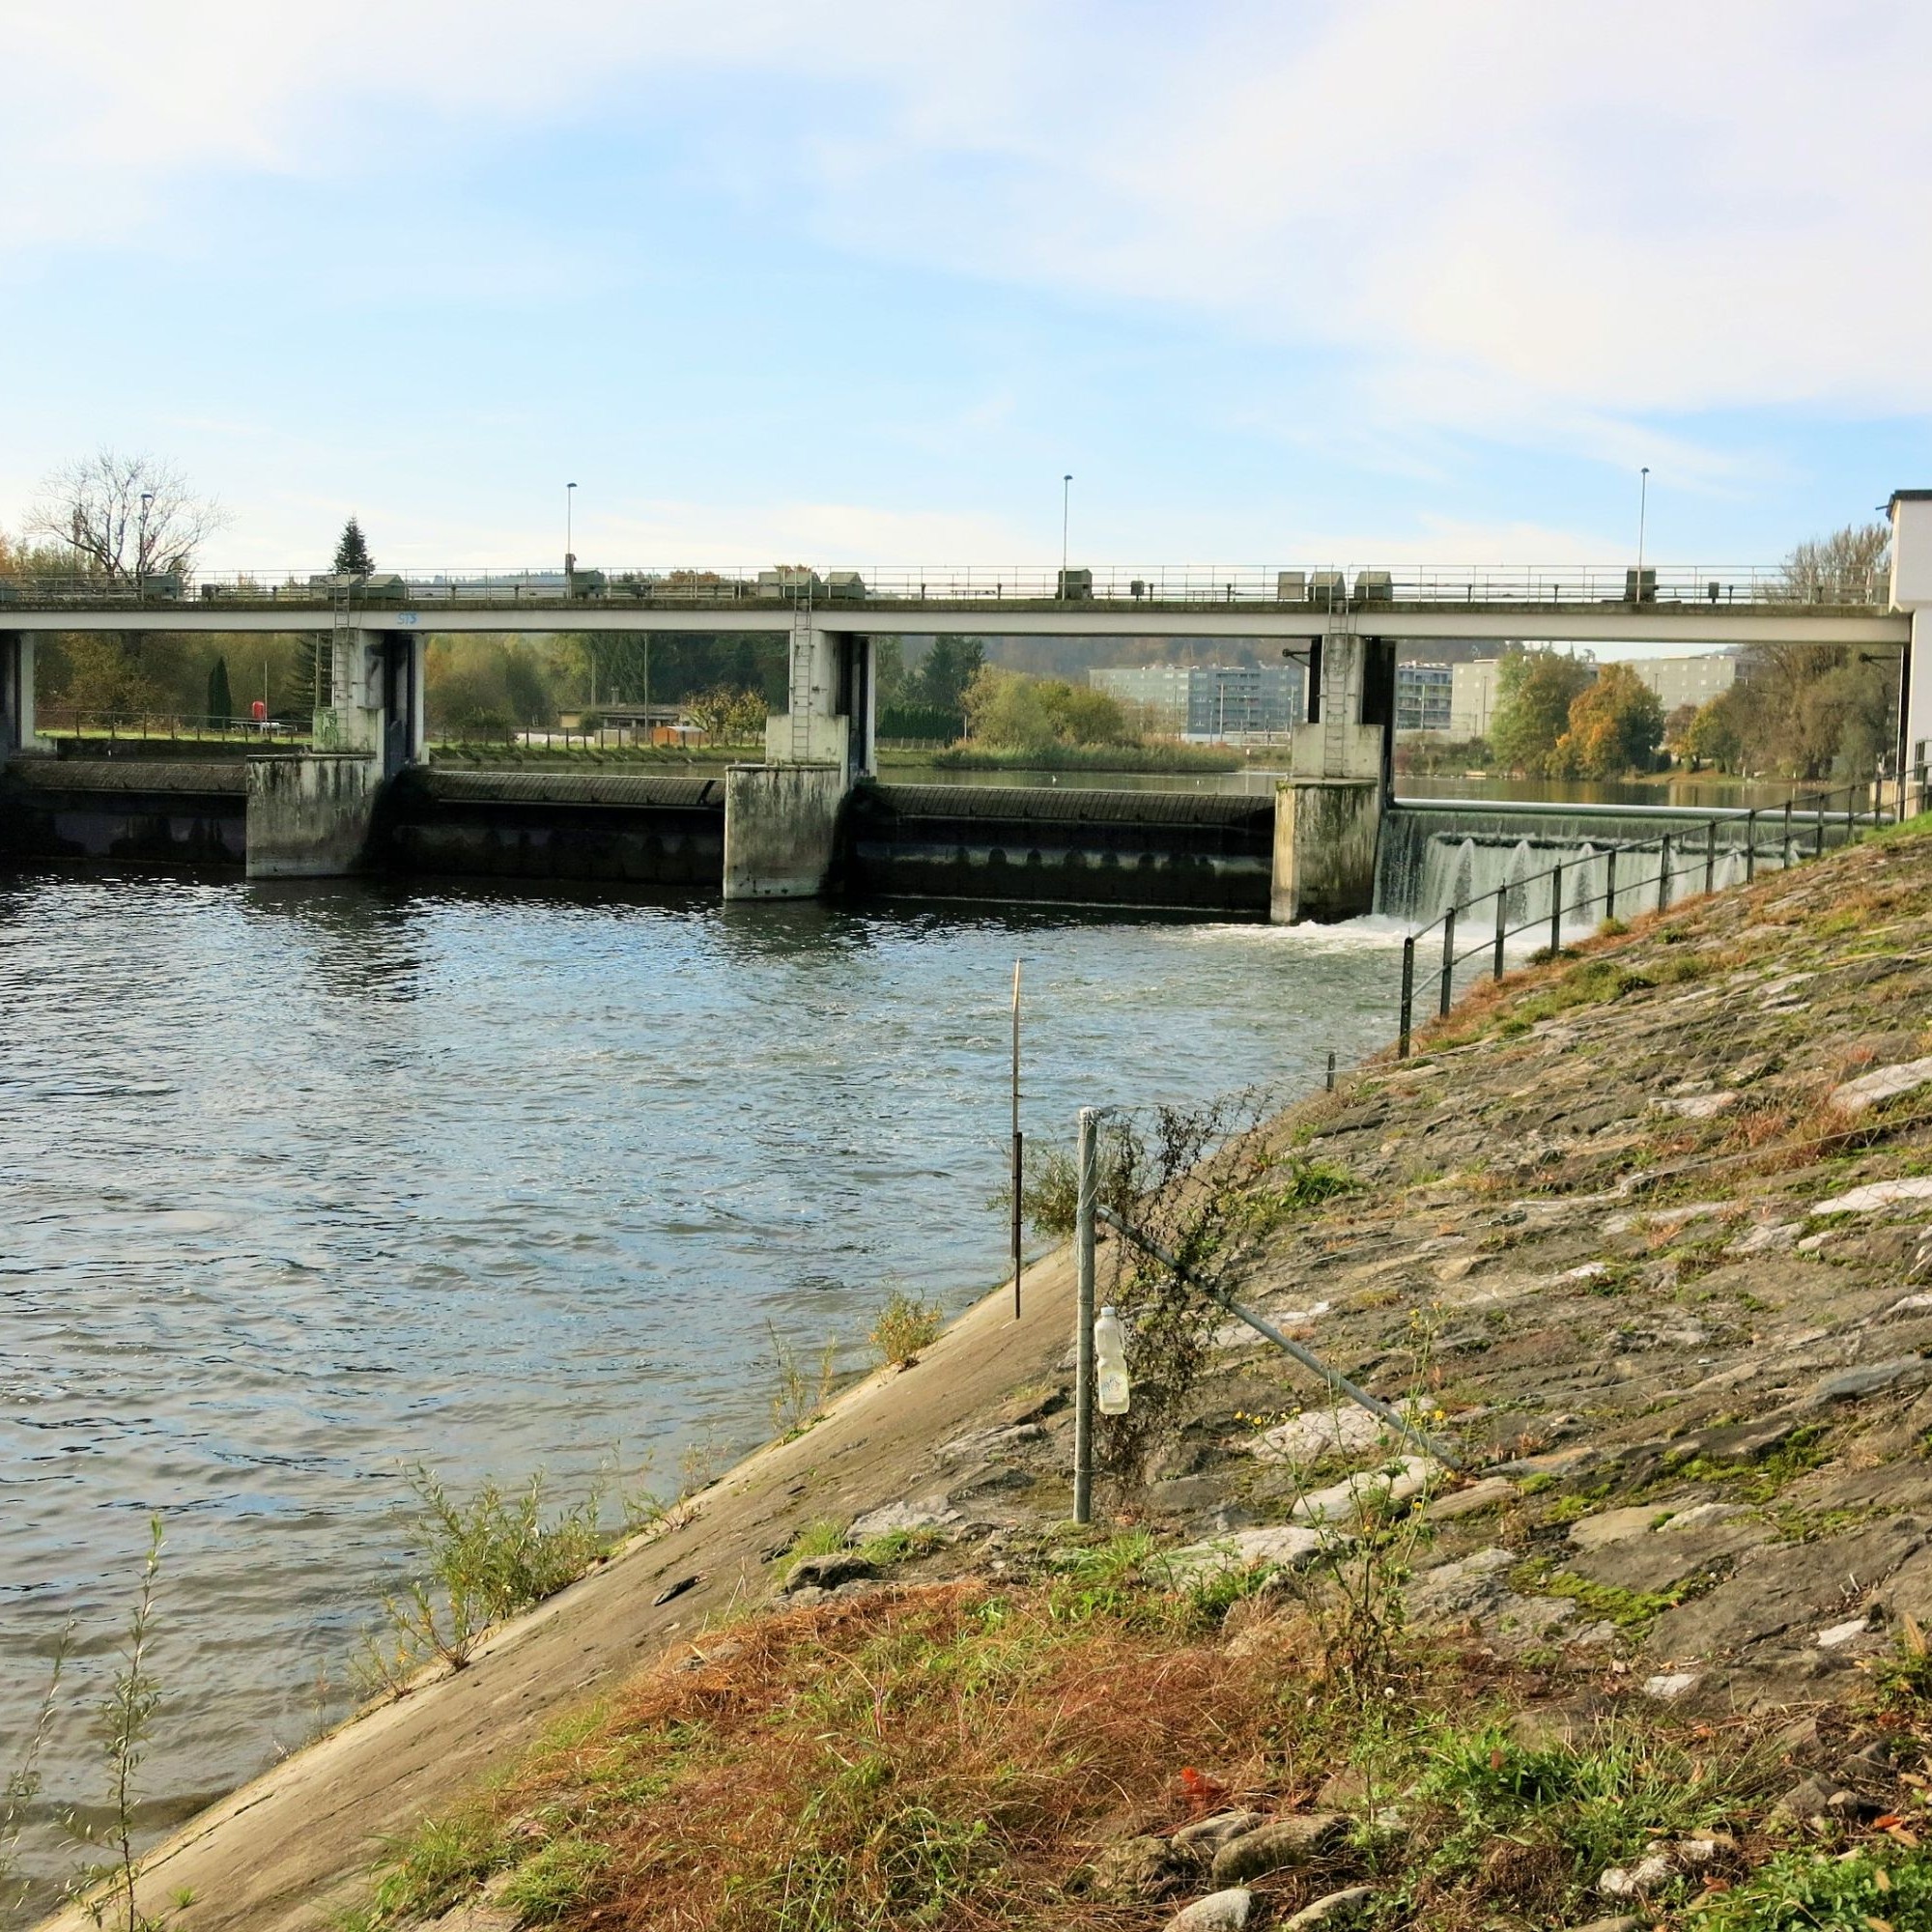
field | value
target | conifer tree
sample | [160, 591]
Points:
[351, 552]
[220, 705]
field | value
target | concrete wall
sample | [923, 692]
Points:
[780, 830]
[311, 816]
[1325, 836]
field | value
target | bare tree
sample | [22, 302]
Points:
[125, 518]
[1848, 566]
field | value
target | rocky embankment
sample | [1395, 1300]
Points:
[1643, 1236]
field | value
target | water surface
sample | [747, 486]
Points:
[306, 1183]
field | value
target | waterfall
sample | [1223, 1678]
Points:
[1438, 854]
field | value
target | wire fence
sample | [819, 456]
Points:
[1320, 588]
[1639, 875]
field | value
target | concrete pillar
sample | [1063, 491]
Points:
[781, 829]
[1912, 590]
[376, 698]
[16, 692]
[1328, 812]
[311, 813]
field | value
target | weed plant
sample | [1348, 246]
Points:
[905, 1328]
[480, 1561]
[800, 1392]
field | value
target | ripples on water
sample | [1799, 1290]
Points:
[304, 1184]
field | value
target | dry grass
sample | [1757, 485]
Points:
[936, 1755]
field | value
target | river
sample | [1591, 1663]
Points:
[304, 1184]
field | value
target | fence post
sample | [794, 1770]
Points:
[1610, 883]
[1851, 813]
[1710, 858]
[1331, 1072]
[1663, 872]
[1556, 909]
[1407, 994]
[1751, 844]
[1083, 1302]
[1818, 829]
[1502, 903]
[1448, 962]
[1788, 835]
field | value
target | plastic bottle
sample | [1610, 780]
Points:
[1110, 1362]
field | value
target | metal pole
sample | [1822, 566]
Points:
[1663, 872]
[1818, 832]
[1751, 844]
[1610, 883]
[1642, 509]
[1334, 1377]
[1502, 903]
[1408, 993]
[1555, 909]
[1331, 1072]
[1066, 500]
[1083, 1303]
[1448, 961]
[1018, 1168]
[1788, 835]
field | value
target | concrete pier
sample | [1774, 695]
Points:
[781, 829]
[1329, 811]
[1326, 834]
[311, 815]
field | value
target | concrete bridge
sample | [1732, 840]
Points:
[316, 813]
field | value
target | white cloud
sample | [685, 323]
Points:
[1547, 224]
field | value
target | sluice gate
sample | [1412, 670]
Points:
[1072, 845]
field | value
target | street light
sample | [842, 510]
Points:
[141, 543]
[1065, 499]
[1642, 506]
[569, 545]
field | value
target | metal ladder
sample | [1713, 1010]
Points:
[1335, 691]
[332, 651]
[800, 694]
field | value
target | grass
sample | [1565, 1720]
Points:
[951, 1756]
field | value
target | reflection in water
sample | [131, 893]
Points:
[307, 1182]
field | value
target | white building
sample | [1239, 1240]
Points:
[1472, 698]
[1693, 680]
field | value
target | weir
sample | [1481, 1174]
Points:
[803, 821]
[1435, 854]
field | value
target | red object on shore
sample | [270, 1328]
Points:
[259, 712]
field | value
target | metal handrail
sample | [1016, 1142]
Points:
[1317, 586]
[1808, 810]
[78, 721]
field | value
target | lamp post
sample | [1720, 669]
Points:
[1642, 507]
[1066, 500]
[141, 543]
[569, 544]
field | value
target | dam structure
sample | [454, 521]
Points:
[811, 817]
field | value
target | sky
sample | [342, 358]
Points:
[1378, 283]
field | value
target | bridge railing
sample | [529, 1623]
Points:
[1320, 588]
[1639, 875]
